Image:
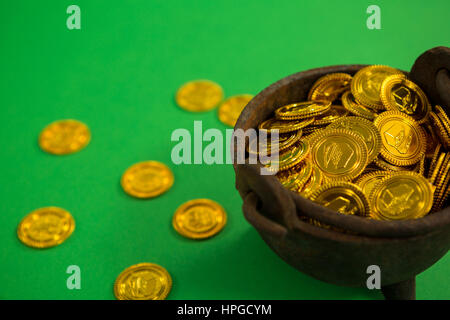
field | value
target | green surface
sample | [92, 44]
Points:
[119, 74]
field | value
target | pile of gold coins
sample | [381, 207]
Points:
[369, 145]
[195, 219]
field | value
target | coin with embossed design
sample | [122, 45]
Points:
[64, 137]
[302, 110]
[369, 180]
[46, 227]
[284, 126]
[366, 129]
[404, 195]
[199, 219]
[147, 179]
[339, 153]
[290, 157]
[330, 86]
[349, 102]
[401, 94]
[143, 281]
[295, 178]
[342, 197]
[402, 139]
[366, 85]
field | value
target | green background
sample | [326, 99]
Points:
[119, 74]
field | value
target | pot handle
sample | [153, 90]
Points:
[259, 221]
[265, 201]
[431, 71]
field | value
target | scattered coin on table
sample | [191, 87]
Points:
[147, 179]
[199, 219]
[143, 281]
[64, 137]
[46, 227]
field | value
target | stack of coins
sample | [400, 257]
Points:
[369, 145]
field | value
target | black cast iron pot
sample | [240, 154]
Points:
[402, 249]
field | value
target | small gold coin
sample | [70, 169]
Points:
[199, 95]
[64, 137]
[404, 195]
[440, 129]
[147, 179]
[284, 126]
[295, 178]
[46, 227]
[400, 94]
[342, 197]
[314, 182]
[402, 139]
[349, 102]
[230, 109]
[330, 87]
[336, 111]
[199, 219]
[302, 110]
[339, 153]
[366, 85]
[369, 180]
[367, 131]
[382, 164]
[290, 157]
[258, 146]
[143, 281]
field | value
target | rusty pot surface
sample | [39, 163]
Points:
[402, 249]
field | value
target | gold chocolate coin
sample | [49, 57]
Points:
[315, 181]
[143, 281]
[404, 195]
[199, 219]
[199, 95]
[295, 178]
[367, 131]
[402, 139]
[284, 126]
[335, 112]
[64, 137]
[230, 109]
[290, 157]
[400, 94]
[366, 85]
[369, 180]
[342, 197]
[259, 146]
[382, 164]
[46, 227]
[339, 153]
[147, 179]
[330, 87]
[302, 110]
[349, 103]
